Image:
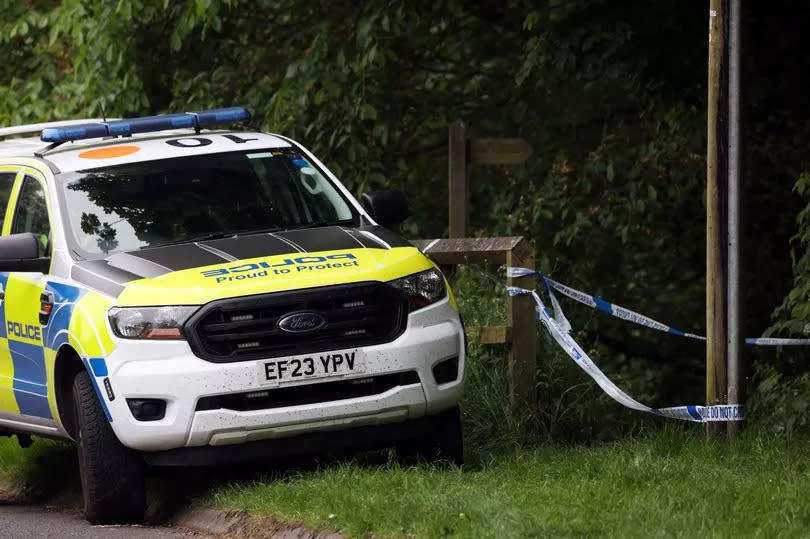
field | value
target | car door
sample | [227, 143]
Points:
[22, 306]
[8, 403]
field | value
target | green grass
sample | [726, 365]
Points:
[556, 474]
[666, 484]
[35, 469]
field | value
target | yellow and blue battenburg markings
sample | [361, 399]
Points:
[8, 401]
[25, 361]
[28, 349]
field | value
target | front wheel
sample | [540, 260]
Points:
[444, 442]
[112, 475]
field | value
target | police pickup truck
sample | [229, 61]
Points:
[175, 294]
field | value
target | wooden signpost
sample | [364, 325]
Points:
[520, 333]
[500, 151]
[485, 151]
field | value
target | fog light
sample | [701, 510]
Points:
[446, 371]
[147, 409]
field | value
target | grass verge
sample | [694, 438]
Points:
[33, 471]
[668, 484]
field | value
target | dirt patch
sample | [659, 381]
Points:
[241, 524]
[65, 495]
[10, 493]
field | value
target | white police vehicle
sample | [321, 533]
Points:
[171, 295]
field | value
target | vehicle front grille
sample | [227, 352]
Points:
[308, 394]
[240, 329]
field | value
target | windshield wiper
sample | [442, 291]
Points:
[233, 233]
[284, 228]
[317, 224]
[190, 239]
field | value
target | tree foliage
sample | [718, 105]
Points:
[610, 94]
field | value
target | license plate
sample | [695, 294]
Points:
[320, 365]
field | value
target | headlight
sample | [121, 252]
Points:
[149, 322]
[422, 288]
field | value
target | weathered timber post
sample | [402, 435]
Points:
[521, 332]
[520, 312]
[459, 195]
[463, 150]
[717, 216]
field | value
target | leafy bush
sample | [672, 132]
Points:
[781, 399]
[780, 404]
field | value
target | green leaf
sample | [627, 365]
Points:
[175, 42]
[367, 112]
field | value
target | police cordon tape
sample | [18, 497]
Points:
[595, 302]
[559, 328]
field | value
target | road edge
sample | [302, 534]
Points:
[10, 492]
[239, 523]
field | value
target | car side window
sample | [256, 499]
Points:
[32, 213]
[6, 184]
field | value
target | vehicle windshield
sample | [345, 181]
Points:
[153, 203]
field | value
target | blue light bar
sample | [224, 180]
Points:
[148, 124]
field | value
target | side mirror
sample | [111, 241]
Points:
[21, 252]
[387, 207]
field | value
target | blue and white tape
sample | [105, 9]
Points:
[559, 329]
[595, 302]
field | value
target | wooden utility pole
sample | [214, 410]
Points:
[717, 216]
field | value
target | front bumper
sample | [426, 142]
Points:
[367, 437]
[170, 371]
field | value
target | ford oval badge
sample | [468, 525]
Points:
[303, 322]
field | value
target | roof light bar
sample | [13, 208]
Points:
[148, 124]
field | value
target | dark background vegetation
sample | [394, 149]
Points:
[611, 94]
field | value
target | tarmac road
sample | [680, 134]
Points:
[27, 521]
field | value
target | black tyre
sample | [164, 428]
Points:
[112, 475]
[443, 444]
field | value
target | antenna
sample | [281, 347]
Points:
[103, 113]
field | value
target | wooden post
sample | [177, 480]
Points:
[717, 216]
[485, 151]
[458, 189]
[522, 354]
[521, 332]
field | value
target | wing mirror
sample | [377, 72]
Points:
[22, 252]
[387, 207]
